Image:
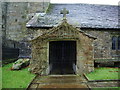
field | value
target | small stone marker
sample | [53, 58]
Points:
[64, 12]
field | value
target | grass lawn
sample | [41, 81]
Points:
[104, 73]
[15, 79]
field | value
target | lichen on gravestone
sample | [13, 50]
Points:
[20, 63]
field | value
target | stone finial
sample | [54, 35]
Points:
[64, 12]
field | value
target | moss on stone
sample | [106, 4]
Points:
[65, 31]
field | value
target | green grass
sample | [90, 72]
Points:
[104, 73]
[15, 79]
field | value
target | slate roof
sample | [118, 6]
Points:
[80, 15]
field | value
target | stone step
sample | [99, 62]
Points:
[58, 81]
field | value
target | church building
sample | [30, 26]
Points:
[73, 43]
[63, 38]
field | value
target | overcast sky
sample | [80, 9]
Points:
[106, 2]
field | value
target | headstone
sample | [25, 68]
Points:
[20, 63]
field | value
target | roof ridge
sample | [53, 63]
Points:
[82, 4]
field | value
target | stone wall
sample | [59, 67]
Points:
[101, 48]
[0, 19]
[16, 21]
[0, 32]
[0, 13]
[14, 18]
[15, 15]
[3, 21]
[85, 62]
[103, 44]
[38, 7]
[39, 62]
[40, 49]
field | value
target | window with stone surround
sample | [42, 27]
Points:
[116, 43]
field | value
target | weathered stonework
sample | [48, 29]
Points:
[0, 20]
[40, 49]
[16, 20]
[0, 32]
[15, 15]
[14, 33]
[103, 44]
[38, 7]
[18, 14]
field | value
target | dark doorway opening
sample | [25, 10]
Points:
[62, 57]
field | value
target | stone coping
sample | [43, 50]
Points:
[107, 60]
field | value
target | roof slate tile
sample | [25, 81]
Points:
[80, 15]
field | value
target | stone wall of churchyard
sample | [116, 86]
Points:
[103, 44]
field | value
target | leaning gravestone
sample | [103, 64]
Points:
[20, 63]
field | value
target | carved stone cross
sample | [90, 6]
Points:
[64, 12]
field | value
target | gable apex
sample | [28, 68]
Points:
[63, 30]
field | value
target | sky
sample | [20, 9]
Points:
[105, 2]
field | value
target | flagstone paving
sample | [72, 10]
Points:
[58, 81]
[103, 84]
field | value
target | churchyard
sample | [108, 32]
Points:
[60, 46]
[22, 78]
[17, 78]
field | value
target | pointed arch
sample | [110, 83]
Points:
[114, 43]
